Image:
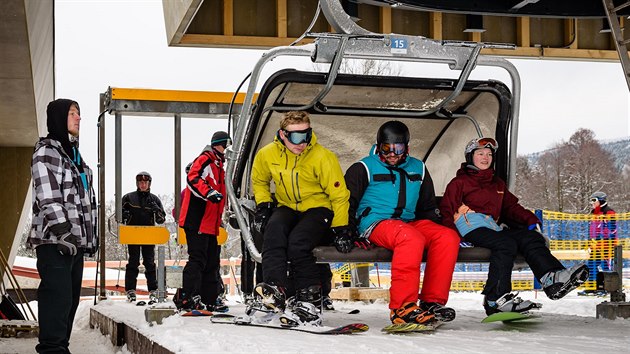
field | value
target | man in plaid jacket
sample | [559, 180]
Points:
[64, 223]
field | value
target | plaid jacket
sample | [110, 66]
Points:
[59, 195]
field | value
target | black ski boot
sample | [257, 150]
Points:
[187, 303]
[312, 294]
[306, 306]
[441, 312]
[131, 295]
[327, 304]
[557, 284]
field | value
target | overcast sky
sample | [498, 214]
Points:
[122, 43]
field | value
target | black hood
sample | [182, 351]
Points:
[57, 122]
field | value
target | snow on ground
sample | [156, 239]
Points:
[567, 325]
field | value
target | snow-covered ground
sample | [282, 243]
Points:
[567, 326]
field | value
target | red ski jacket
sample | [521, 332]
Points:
[197, 212]
[485, 193]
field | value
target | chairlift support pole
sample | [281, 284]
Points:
[620, 43]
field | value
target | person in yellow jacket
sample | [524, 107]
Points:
[310, 198]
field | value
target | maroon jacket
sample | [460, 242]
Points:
[485, 193]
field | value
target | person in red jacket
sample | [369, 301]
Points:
[474, 202]
[603, 236]
[200, 217]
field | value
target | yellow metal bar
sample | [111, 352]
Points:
[221, 238]
[142, 235]
[175, 95]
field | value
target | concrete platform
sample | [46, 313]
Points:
[613, 310]
[121, 333]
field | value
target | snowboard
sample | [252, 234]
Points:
[399, 328]
[196, 313]
[507, 317]
[248, 321]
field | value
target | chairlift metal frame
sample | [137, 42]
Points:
[353, 42]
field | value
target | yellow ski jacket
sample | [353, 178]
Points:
[311, 179]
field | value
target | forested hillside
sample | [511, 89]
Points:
[563, 177]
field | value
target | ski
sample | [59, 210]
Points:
[507, 317]
[400, 328]
[289, 325]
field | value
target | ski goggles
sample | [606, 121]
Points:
[594, 200]
[141, 178]
[482, 143]
[297, 137]
[223, 143]
[397, 148]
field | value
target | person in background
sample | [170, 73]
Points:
[200, 217]
[311, 198]
[141, 208]
[392, 203]
[475, 202]
[603, 239]
[64, 224]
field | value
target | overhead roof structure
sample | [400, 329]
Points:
[552, 29]
[26, 87]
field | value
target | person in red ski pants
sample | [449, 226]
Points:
[392, 205]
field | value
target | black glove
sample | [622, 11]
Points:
[126, 215]
[67, 245]
[66, 241]
[214, 196]
[262, 215]
[344, 238]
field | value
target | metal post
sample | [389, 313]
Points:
[178, 163]
[160, 275]
[101, 197]
[118, 166]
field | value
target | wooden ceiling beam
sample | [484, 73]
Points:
[385, 20]
[281, 15]
[228, 17]
[435, 25]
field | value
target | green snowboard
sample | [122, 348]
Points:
[509, 317]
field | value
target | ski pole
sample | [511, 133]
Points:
[238, 287]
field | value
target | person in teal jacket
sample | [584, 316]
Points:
[392, 203]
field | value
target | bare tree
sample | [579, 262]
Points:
[365, 67]
[563, 177]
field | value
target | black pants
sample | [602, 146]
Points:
[57, 296]
[291, 236]
[505, 245]
[201, 272]
[148, 260]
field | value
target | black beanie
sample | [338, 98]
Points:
[57, 122]
[219, 138]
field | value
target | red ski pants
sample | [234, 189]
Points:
[409, 241]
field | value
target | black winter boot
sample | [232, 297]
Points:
[312, 294]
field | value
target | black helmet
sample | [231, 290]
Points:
[393, 132]
[220, 138]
